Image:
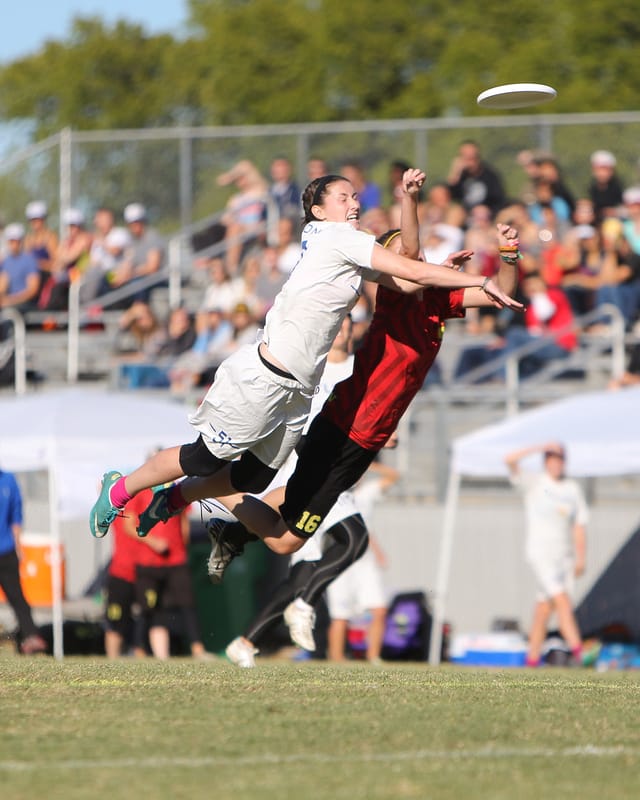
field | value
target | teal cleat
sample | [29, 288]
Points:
[104, 512]
[157, 511]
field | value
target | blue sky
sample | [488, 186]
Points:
[28, 23]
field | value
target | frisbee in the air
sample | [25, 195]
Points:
[516, 95]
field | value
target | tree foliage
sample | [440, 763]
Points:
[279, 61]
[101, 78]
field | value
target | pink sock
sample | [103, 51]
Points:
[118, 494]
[175, 499]
[532, 662]
[577, 652]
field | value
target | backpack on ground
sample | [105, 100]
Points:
[408, 628]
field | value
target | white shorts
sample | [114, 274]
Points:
[359, 589]
[553, 576]
[249, 407]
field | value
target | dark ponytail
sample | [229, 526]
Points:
[314, 192]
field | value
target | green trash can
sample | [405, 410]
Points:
[225, 609]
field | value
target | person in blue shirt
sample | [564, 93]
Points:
[10, 529]
[19, 272]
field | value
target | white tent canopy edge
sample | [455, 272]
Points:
[76, 434]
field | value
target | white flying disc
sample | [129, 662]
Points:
[516, 95]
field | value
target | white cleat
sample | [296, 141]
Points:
[241, 653]
[300, 618]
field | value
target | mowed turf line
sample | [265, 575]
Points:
[88, 728]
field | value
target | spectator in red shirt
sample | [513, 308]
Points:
[548, 312]
[163, 581]
[122, 629]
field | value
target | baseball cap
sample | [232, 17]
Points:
[73, 216]
[135, 212]
[117, 237]
[14, 232]
[36, 210]
[603, 158]
[240, 308]
[631, 196]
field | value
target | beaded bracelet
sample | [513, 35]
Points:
[511, 259]
[484, 283]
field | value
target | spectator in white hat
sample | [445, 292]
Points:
[40, 240]
[145, 255]
[73, 252]
[19, 272]
[605, 188]
[70, 261]
[116, 254]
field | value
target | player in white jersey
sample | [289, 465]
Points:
[360, 588]
[556, 516]
[254, 412]
[310, 571]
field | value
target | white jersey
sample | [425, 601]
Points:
[361, 586]
[325, 284]
[552, 510]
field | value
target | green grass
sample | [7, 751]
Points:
[88, 728]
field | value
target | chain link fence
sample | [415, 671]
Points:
[173, 170]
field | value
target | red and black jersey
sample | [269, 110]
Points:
[391, 366]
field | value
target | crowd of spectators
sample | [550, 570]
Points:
[580, 249]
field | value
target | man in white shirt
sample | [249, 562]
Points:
[556, 515]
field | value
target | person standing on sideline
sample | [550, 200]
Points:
[556, 517]
[360, 588]
[253, 415]
[164, 588]
[30, 641]
[124, 628]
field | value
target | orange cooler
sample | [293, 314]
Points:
[35, 569]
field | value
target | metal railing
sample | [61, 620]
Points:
[19, 348]
[613, 341]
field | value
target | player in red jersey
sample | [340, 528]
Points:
[363, 411]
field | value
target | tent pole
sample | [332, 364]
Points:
[444, 565]
[56, 564]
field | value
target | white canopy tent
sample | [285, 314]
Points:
[76, 435]
[601, 431]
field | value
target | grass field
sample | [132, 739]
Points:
[88, 728]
